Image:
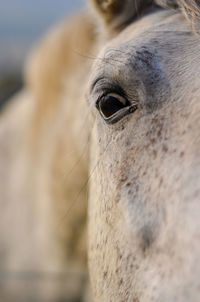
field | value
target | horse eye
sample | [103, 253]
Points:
[113, 107]
[110, 104]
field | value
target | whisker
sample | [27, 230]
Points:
[74, 201]
[102, 59]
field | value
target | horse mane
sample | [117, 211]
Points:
[190, 8]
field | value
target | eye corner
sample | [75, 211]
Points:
[133, 107]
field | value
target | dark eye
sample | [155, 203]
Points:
[113, 107]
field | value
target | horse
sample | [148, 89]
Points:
[145, 189]
[110, 103]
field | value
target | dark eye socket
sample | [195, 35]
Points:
[113, 107]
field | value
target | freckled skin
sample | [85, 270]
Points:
[143, 222]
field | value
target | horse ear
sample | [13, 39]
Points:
[118, 13]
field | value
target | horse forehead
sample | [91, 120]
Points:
[145, 32]
[151, 46]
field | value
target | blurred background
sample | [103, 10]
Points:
[22, 22]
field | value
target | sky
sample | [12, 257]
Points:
[22, 22]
